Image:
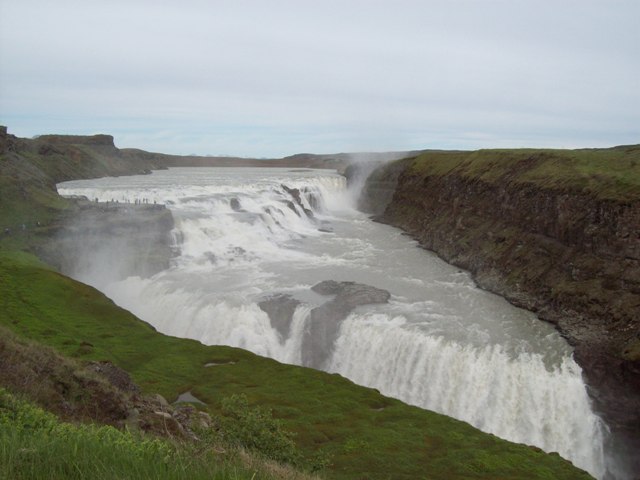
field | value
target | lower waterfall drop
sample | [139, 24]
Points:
[513, 397]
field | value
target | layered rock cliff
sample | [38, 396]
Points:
[555, 232]
[67, 233]
[102, 243]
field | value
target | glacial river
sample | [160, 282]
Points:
[242, 235]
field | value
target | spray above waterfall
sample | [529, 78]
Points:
[252, 246]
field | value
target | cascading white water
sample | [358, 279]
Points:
[515, 397]
[441, 343]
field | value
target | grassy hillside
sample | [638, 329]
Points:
[36, 445]
[151, 439]
[612, 173]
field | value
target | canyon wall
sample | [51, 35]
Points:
[555, 232]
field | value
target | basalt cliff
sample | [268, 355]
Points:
[556, 232]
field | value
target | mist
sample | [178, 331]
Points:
[110, 241]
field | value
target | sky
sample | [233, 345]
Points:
[273, 78]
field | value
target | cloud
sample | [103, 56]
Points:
[273, 78]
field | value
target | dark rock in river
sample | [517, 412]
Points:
[235, 205]
[280, 309]
[294, 192]
[292, 206]
[324, 321]
[297, 199]
[352, 294]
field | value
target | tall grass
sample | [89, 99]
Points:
[34, 444]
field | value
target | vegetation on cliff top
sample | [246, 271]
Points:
[611, 173]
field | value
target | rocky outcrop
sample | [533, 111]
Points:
[295, 195]
[324, 321]
[280, 309]
[112, 241]
[569, 254]
[114, 375]
[99, 140]
[323, 325]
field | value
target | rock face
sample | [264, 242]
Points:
[323, 324]
[280, 309]
[324, 321]
[297, 200]
[571, 256]
[113, 241]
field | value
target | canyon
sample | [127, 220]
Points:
[565, 247]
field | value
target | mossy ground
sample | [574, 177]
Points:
[612, 173]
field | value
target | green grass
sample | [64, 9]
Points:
[30, 207]
[365, 434]
[612, 173]
[34, 445]
[244, 439]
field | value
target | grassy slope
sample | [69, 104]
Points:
[35, 445]
[27, 194]
[90, 409]
[612, 173]
[368, 435]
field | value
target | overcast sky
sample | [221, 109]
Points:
[273, 78]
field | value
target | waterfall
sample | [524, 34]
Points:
[441, 343]
[516, 397]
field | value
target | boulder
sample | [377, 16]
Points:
[234, 203]
[114, 375]
[324, 321]
[280, 309]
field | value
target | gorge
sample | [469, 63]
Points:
[244, 237]
[273, 260]
[553, 231]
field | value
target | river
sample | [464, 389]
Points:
[246, 234]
